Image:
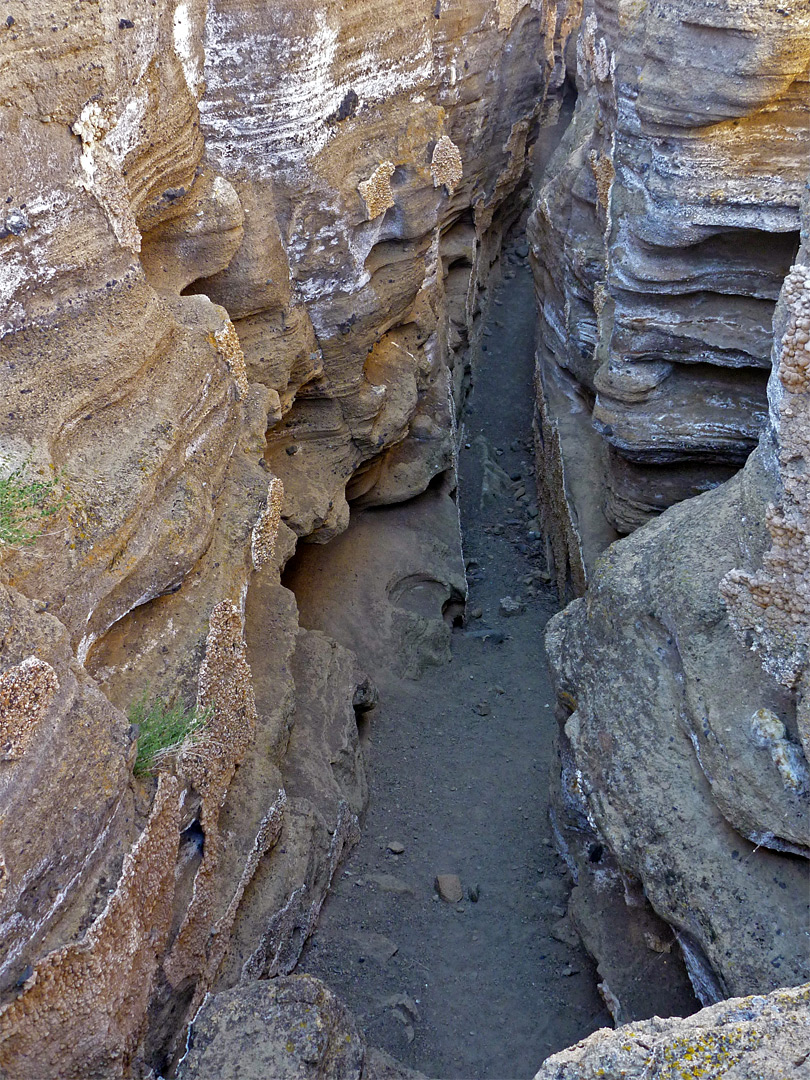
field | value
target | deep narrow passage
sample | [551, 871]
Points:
[459, 763]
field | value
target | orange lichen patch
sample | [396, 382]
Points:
[228, 345]
[26, 693]
[82, 1010]
[265, 531]
[445, 165]
[773, 603]
[376, 191]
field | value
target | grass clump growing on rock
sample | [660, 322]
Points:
[163, 728]
[24, 506]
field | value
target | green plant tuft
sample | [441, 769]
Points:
[164, 726]
[24, 506]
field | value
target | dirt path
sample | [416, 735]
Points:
[459, 763]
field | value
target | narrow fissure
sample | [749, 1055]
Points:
[459, 757]
[463, 748]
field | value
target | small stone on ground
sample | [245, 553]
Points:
[510, 606]
[448, 886]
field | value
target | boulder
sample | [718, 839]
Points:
[288, 1028]
[748, 1038]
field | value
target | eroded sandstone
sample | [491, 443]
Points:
[235, 296]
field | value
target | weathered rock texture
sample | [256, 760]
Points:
[289, 1028]
[241, 247]
[751, 1038]
[662, 232]
[682, 675]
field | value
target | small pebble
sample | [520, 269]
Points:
[396, 848]
[448, 886]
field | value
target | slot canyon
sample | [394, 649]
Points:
[405, 540]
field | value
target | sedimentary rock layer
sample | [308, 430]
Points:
[242, 247]
[682, 672]
[662, 232]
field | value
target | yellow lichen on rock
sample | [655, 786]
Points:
[751, 1038]
[376, 191]
[230, 349]
[445, 165]
[26, 692]
[265, 531]
[770, 734]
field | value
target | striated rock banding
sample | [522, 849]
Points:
[692, 763]
[662, 232]
[214, 341]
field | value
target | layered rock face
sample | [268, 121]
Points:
[662, 232]
[241, 253]
[682, 679]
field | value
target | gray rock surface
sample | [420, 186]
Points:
[665, 765]
[749, 1038]
[288, 1028]
[660, 239]
[682, 676]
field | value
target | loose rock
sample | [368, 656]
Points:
[509, 606]
[448, 886]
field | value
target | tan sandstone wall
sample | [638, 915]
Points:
[240, 254]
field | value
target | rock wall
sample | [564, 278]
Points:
[682, 685]
[242, 248]
[661, 235]
[753, 1038]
